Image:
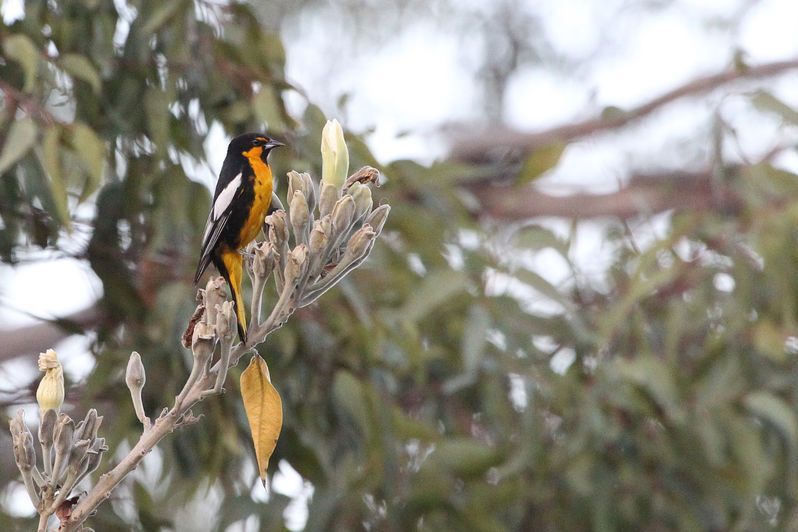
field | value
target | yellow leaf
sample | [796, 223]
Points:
[264, 410]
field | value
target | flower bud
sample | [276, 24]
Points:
[329, 195]
[377, 218]
[363, 202]
[62, 443]
[296, 263]
[50, 394]
[318, 238]
[342, 214]
[225, 320]
[294, 183]
[358, 244]
[309, 189]
[87, 429]
[47, 428]
[77, 454]
[264, 259]
[334, 154]
[22, 439]
[135, 376]
[95, 454]
[299, 215]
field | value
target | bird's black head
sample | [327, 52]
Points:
[253, 145]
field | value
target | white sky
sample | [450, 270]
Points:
[419, 80]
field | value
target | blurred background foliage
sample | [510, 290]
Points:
[449, 384]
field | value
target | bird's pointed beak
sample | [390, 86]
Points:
[273, 144]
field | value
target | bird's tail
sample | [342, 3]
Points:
[231, 268]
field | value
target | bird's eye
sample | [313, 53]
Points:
[256, 142]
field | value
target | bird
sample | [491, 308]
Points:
[241, 201]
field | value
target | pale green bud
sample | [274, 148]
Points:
[327, 199]
[334, 155]
[318, 238]
[47, 427]
[363, 202]
[135, 376]
[342, 214]
[297, 260]
[299, 214]
[377, 218]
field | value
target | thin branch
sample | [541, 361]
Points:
[644, 194]
[475, 147]
[41, 336]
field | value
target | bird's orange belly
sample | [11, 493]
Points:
[263, 186]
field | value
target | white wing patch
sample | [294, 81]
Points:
[225, 197]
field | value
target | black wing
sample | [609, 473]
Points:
[221, 209]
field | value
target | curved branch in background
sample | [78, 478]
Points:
[644, 194]
[41, 336]
[478, 147]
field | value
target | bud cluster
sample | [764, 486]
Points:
[70, 451]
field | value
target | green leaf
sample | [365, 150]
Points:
[161, 15]
[81, 68]
[350, 396]
[474, 338]
[156, 106]
[541, 161]
[91, 151]
[464, 456]
[20, 139]
[266, 108]
[51, 162]
[775, 411]
[433, 290]
[21, 49]
[655, 378]
[764, 101]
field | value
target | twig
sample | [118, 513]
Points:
[475, 146]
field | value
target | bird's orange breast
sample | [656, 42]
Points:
[263, 185]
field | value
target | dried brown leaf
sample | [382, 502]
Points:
[264, 410]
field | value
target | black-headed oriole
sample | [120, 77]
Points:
[240, 203]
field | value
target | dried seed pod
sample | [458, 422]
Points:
[277, 228]
[225, 320]
[202, 343]
[214, 295]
